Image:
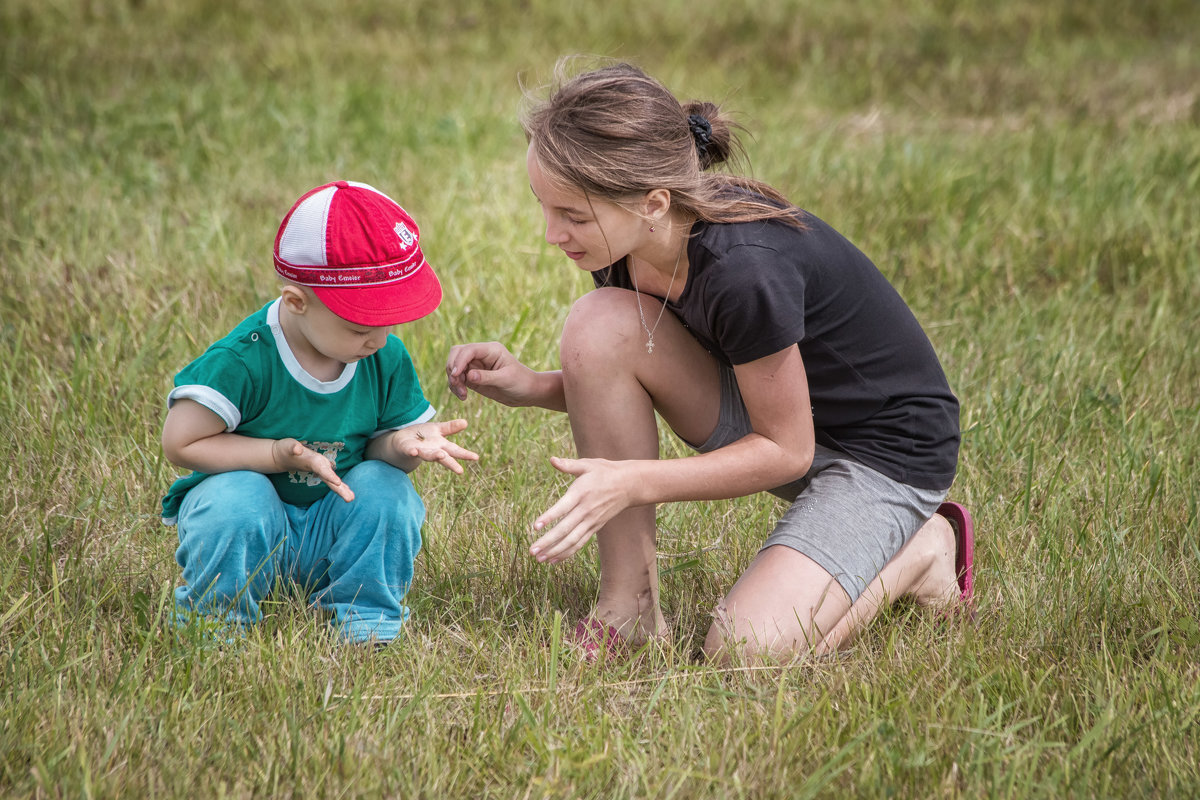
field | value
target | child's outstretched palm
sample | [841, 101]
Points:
[428, 442]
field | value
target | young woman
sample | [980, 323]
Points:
[767, 342]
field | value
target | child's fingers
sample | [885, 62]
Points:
[449, 463]
[326, 473]
[440, 456]
[462, 452]
[435, 448]
[445, 449]
[324, 470]
[342, 490]
[452, 426]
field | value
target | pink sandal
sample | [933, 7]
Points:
[598, 640]
[964, 553]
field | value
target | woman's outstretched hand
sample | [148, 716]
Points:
[489, 369]
[597, 494]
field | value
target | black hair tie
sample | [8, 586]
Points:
[701, 130]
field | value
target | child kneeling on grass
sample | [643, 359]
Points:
[301, 425]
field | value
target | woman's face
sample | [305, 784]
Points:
[593, 234]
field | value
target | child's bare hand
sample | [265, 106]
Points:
[428, 442]
[291, 456]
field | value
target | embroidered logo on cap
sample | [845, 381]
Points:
[404, 233]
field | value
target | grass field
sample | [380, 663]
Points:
[1028, 175]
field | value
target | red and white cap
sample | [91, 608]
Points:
[359, 252]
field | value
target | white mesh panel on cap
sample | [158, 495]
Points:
[303, 240]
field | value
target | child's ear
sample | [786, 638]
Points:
[294, 299]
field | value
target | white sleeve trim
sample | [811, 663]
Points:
[211, 399]
[424, 417]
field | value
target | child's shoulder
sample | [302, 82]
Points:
[248, 343]
[264, 317]
[250, 330]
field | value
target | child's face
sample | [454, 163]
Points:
[337, 338]
[592, 234]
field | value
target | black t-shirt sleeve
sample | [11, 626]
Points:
[756, 307]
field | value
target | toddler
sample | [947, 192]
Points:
[301, 426]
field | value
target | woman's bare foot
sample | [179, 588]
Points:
[936, 545]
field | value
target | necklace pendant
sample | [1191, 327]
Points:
[650, 345]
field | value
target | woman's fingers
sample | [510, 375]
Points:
[590, 501]
[563, 540]
[568, 524]
[469, 365]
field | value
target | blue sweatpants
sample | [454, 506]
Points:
[236, 538]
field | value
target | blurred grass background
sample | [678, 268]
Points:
[1026, 173]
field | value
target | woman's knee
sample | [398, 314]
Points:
[782, 608]
[719, 646]
[733, 640]
[600, 325]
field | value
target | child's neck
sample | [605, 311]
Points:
[315, 363]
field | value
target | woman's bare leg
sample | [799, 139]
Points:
[786, 605]
[613, 387]
[780, 606]
[922, 570]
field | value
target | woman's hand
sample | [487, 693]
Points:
[489, 369]
[598, 493]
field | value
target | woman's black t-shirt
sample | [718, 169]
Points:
[877, 389]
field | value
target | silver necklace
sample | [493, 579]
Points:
[650, 331]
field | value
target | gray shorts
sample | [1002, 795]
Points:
[847, 517]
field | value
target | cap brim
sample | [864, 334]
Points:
[387, 304]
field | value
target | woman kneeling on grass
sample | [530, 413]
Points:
[787, 361]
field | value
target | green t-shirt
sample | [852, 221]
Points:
[252, 381]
